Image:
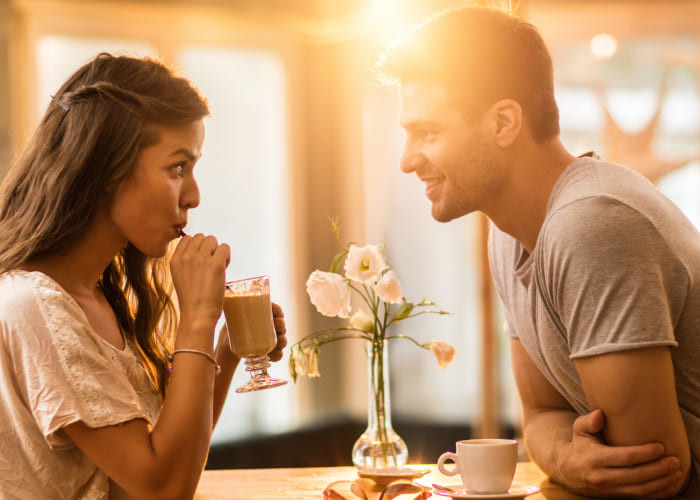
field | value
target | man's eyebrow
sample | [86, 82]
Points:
[182, 151]
[419, 123]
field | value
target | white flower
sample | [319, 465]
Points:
[362, 321]
[329, 293]
[311, 364]
[389, 289]
[443, 352]
[364, 263]
[306, 362]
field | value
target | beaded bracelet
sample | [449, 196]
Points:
[217, 366]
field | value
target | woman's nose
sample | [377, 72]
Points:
[190, 193]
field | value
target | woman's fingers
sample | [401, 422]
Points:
[198, 269]
[281, 329]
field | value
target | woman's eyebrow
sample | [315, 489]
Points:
[183, 151]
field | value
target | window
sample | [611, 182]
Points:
[639, 108]
[243, 181]
[435, 261]
[243, 174]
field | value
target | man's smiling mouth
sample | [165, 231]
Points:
[431, 183]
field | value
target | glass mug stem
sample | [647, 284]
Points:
[259, 378]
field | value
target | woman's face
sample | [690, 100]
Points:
[149, 208]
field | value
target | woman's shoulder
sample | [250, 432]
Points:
[17, 290]
[31, 295]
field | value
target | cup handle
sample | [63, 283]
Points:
[448, 455]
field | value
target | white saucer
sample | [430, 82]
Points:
[381, 476]
[515, 492]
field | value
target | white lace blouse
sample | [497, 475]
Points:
[54, 371]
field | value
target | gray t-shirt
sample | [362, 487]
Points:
[616, 266]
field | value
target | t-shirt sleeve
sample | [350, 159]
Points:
[64, 370]
[609, 278]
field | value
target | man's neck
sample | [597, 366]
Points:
[522, 206]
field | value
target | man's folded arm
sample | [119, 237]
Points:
[570, 448]
[636, 391]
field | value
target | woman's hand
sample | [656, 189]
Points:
[229, 361]
[225, 356]
[280, 330]
[198, 269]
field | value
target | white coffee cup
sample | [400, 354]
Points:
[487, 466]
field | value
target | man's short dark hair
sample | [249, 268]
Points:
[481, 55]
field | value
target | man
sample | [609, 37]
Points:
[598, 272]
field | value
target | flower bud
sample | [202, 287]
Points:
[443, 352]
[362, 321]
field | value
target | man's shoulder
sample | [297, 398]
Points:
[597, 221]
[594, 196]
[591, 177]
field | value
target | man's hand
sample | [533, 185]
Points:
[596, 469]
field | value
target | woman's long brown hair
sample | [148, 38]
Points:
[87, 142]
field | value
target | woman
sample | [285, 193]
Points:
[90, 405]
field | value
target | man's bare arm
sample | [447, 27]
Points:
[569, 450]
[636, 391]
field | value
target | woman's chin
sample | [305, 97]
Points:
[154, 251]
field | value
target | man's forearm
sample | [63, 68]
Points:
[546, 431]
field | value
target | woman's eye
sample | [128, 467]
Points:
[179, 169]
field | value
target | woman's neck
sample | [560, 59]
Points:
[79, 267]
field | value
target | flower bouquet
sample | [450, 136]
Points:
[368, 275]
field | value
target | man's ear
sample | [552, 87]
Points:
[505, 121]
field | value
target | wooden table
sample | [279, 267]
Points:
[309, 483]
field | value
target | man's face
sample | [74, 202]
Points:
[451, 155]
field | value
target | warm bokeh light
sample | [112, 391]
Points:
[388, 19]
[603, 46]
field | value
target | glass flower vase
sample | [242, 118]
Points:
[379, 447]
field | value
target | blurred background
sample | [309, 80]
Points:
[300, 131]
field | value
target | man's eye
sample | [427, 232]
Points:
[427, 135]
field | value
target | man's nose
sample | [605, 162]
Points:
[411, 160]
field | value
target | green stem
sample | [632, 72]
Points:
[321, 337]
[407, 338]
[364, 297]
[378, 389]
[413, 315]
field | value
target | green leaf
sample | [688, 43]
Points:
[403, 311]
[292, 368]
[335, 265]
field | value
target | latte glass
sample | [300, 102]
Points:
[251, 331]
